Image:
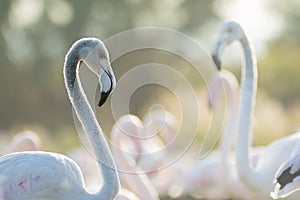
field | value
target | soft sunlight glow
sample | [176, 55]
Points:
[60, 12]
[261, 23]
[162, 15]
[25, 13]
[19, 48]
[102, 11]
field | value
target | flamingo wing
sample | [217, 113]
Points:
[38, 175]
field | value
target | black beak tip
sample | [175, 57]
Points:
[103, 98]
[217, 61]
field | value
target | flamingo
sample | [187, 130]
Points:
[159, 140]
[257, 178]
[25, 141]
[48, 175]
[215, 177]
[142, 138]
[125, 130]
[163, 122]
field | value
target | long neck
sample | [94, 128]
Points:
[230, 129]
[92, 130]
[248, 93]
[137, 181]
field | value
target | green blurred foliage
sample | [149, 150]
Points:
[280, 66]
[32, 53]
[280, 72]
[33, 49]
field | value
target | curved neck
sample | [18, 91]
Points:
[248, 93]
[92, 130]
[137, 181]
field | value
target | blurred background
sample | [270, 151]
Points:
[36, 34]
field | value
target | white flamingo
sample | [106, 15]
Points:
[215, 176]
[125, 131]
[259, 177]
[47, 175]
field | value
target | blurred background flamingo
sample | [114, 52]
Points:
[215, 176]
[158, 142]
[25, 141]
[31, 96]
[123, 140]
[256, 176]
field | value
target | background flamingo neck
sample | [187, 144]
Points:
[137, 181]
[248, 93]
[230, 129]
[93, 132]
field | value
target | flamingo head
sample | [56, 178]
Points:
[130, 129]
[229, 32]
[163, 124]
[94, 54]
[25, 141]
[222, 82]
[287, 178]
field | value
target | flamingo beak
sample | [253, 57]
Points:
[107, 81]
[217, 61]
[218, 49]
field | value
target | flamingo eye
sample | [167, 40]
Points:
[229, 30]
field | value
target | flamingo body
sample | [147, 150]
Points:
[47, 176]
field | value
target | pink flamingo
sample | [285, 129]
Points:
[158, 142]
[144, 139]
[215, 176]
[25, 141]
[125, 130]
